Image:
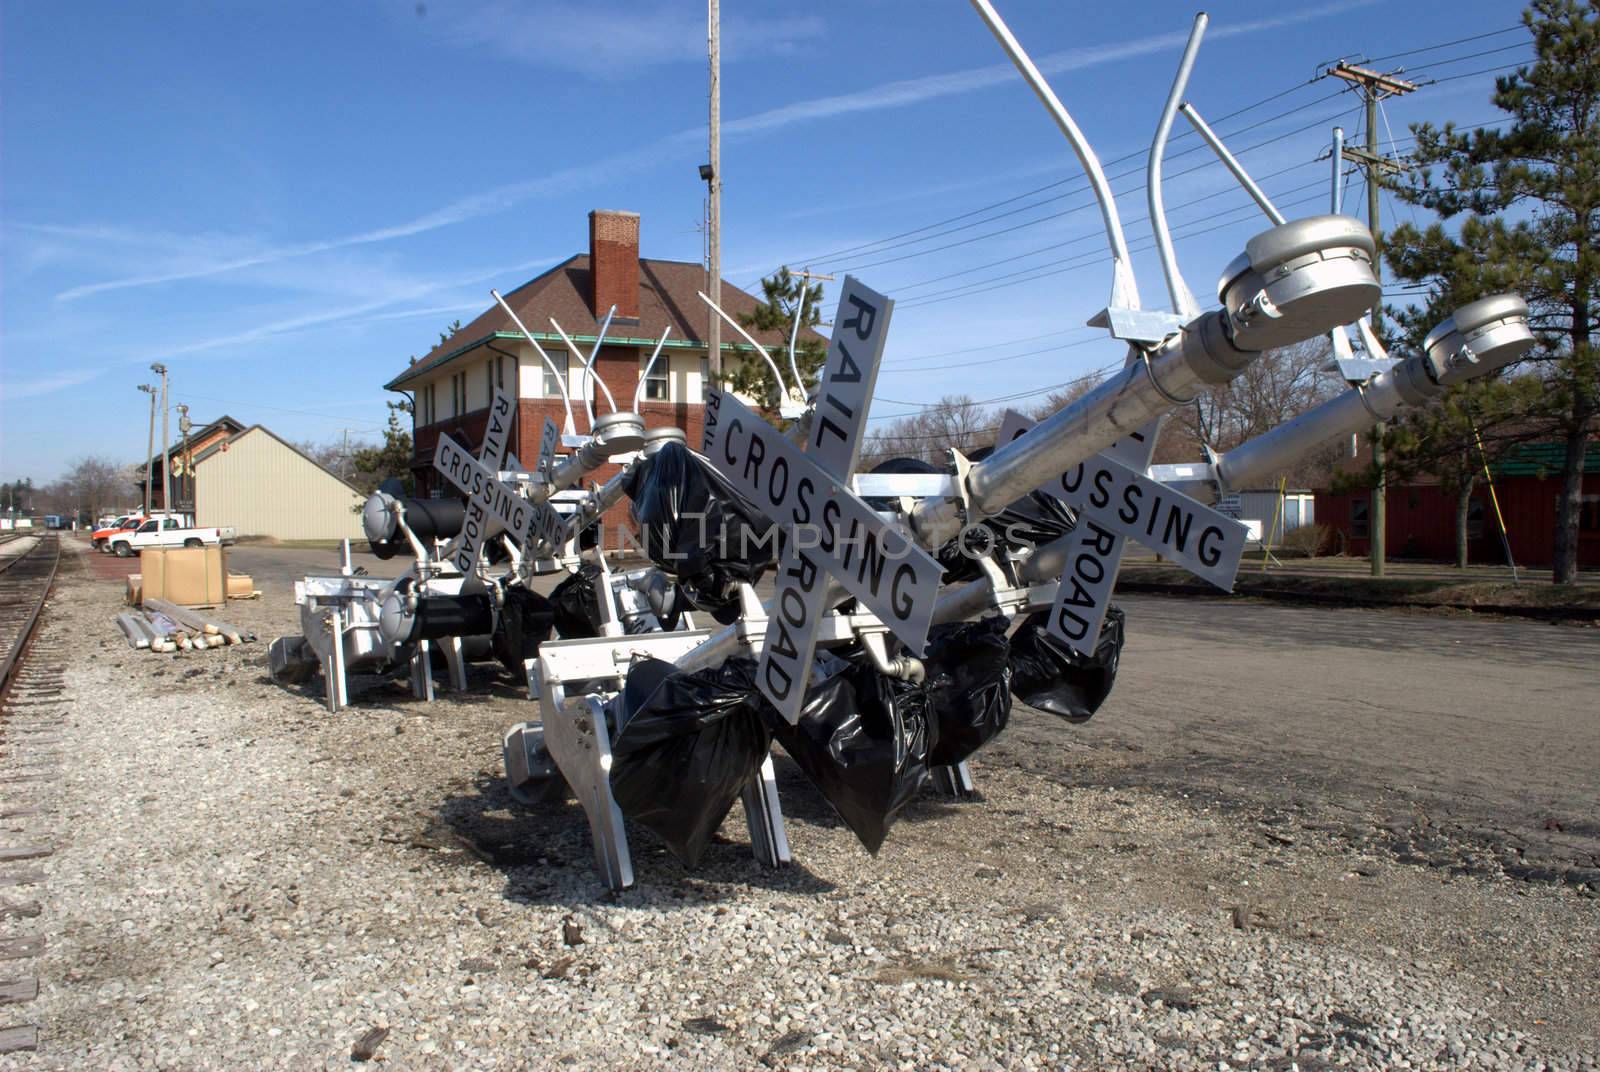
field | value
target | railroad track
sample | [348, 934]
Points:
[24, 584]
[33, 705]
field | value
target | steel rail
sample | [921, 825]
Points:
[14, 656]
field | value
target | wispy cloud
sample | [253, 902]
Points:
[932, 87]
[612, 42]
[60, 381]
[899, 94]
[358, 313]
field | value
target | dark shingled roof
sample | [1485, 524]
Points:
[667, 297]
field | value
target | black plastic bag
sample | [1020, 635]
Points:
[695, 527]
[1035, 519]
[863, 739]
[1052, 677]
[574, 604]
[526, 618]
[968, 685]
[685, 746]
[1031, 521]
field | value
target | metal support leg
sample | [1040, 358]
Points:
[422, 672]
[333, 667]
[456, 663]
[955, 782]
[769, 842]
[577, 739]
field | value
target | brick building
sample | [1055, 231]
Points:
[452, 386]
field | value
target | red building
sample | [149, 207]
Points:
[452, 386]
[1422, 517]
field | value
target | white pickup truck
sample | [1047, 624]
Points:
[168, 531]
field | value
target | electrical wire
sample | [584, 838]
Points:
[1080, 183]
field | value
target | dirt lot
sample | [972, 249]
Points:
[1292, 838]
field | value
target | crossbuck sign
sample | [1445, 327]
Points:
[491, 505]
[1116, 502]
[831, 532]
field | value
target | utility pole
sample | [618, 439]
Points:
[186, 485]
[712, 173]
[1373, 87]
[150, 448]
[166, 462]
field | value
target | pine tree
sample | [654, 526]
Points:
[781, 293]
[1530, 198]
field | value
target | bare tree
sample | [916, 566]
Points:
[1060, 400]
[96, 484]
[954, 421]
[1277, 387]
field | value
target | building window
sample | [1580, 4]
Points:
[455, 394]
[657, 386]
[1475, 519]
[1360, 519]
[552, 385]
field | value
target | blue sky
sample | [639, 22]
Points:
[284, 201]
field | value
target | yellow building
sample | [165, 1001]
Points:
[262, 486]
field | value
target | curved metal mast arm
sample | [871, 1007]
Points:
[1183, 302]
[1124, 290]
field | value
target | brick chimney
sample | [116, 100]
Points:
[614, 263]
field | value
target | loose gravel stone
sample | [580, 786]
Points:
[249, 882]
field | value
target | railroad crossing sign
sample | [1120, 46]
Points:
[832, 533]
[492, 506]
[549, 440]
[1117, 502]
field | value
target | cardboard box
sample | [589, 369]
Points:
[215, 575]
[153, 575]
[135, 589]
[241, 586]
[187, 576]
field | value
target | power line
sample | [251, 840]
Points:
[1447, 44]
[1065, 212]
[1075, 179]
[990, 346]
[1016, 357]
[1089, 259]
[920, 407]
[1080, 183]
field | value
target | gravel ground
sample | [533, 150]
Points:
[243, 881]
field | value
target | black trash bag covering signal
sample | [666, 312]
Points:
[1031, 521]
[575, 604]
[695, 527]
[968, 685]
[685, 746]
[526, 618]
[863, 739]
[1052, 677]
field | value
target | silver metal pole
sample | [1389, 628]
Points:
[714, 186]
[1183, 302]
[1202, 354]
[559, 374]
[1231, 163]
[166, 460]
[1124, 290]
[1337, 200]
[150, 449]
